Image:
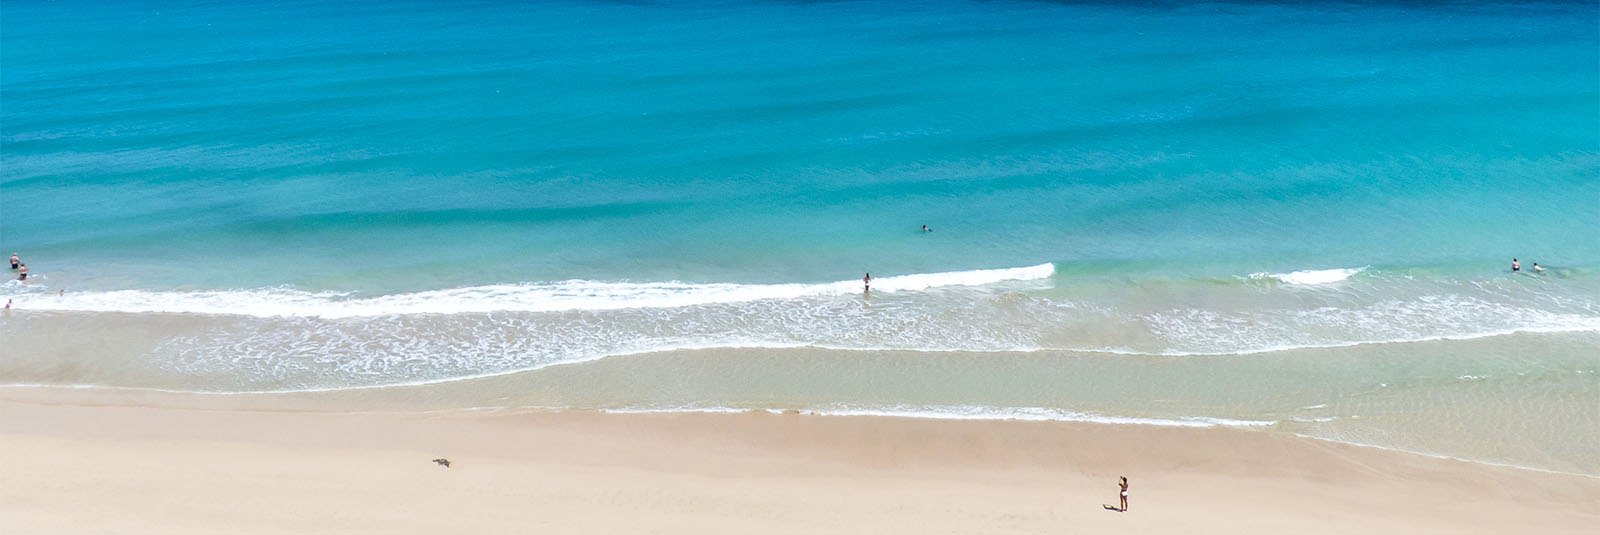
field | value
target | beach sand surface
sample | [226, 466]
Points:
[82, 468]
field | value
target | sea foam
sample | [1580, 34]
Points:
[525, 297]
[287, 340]
[974, 412]
[1310, 276]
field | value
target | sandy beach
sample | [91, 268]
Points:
[77, 468]
[799, 267]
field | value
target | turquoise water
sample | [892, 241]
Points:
[408, 146]
[290, 196]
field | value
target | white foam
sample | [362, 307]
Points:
[531, 297]
[257, 351]
[1579, 325]
[972, 412]
[932, 412]
[1424, 318]
[1311, 276]
[1442, 456]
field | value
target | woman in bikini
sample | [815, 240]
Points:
[1124, 486]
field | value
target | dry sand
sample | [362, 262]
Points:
[71, 468]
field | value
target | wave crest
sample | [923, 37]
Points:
[282, 340]
[1310, 277]
[527, 297]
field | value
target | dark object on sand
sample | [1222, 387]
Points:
[442, 462]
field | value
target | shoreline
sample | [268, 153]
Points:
[331, 402]
[113, 467]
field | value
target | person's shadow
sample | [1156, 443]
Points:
[1110, 507]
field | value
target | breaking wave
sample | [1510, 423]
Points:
[973, 412]
[528, 297]
[1310, 276]
[287, 340]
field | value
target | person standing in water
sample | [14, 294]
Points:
[1515, 267]
[1123, 486]
[866, 283]
[22, 274]
[15, 261]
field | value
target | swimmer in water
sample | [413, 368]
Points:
[22, 274]
[1515, 267]
[926, 229]
[15, 260]
[1537, 269]
[866, 283]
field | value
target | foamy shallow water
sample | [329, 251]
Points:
[1440, 366]
[284, 340]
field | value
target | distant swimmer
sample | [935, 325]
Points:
[1537, 269]
[1515, 267]
[866, 282]
[22, 273]
[926, 229]
[8, 304]
[17, 260]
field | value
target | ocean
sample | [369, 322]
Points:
[1288, 217]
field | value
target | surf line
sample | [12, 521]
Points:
[574, 294]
